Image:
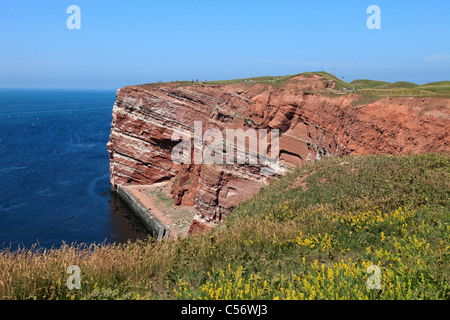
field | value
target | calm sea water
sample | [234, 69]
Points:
[54, 170]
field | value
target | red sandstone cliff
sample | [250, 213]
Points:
[311, 126]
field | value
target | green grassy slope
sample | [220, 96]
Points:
[439, 88]
[402, 84]
[309, 235]
[402, 88]
[367, 84]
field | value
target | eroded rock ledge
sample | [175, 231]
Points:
[312, 126]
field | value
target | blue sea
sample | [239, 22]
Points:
[54, 170]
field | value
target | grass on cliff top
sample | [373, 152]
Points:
[366, 83]
[275, 81]
[309, 235]
[402, 88]
[372, 84]
[366, 88]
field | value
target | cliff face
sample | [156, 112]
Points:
[311, 127]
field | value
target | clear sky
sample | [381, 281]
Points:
[139, 41]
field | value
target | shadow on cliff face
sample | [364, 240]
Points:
[124, 223]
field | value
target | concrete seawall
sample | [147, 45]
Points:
[156, 227]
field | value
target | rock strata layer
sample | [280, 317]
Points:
[311, 126]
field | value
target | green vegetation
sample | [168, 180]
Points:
[402, 84]
[441, 88]
[371, 90]
[311, 234]
[365, 87]
[438, 83]
[402, 88]
[275, 81]
[162, 197]
[368, 84]
[373, 84]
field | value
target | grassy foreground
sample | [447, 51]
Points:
[310, 235]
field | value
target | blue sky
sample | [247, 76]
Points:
[139, 41]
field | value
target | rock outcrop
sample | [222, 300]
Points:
[311, 126]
